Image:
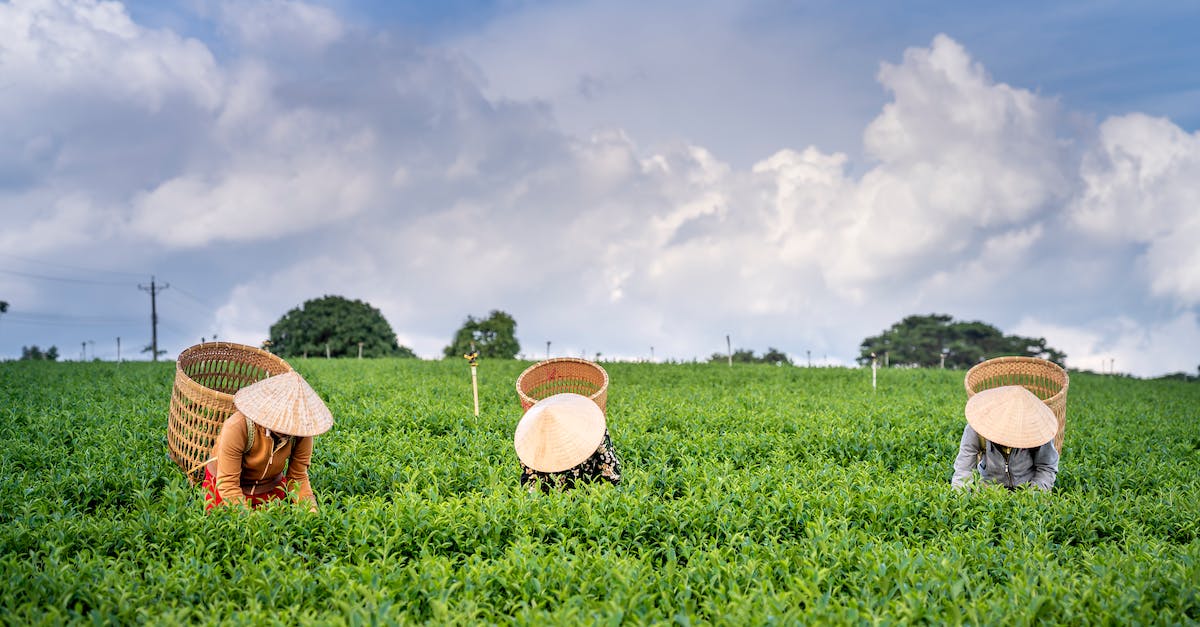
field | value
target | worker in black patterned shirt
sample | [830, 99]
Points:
[562, 440]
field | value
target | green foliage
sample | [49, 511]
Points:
[495, 337]
[773, 356]
[921, 341]
[34, 353]
[338, 323]
[754, 495]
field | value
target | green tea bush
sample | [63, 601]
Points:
[752, 495]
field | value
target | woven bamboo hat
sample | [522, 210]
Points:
[1013, 416]
[285, 403]
[559, 432]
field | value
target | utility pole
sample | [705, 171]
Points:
[651, 353]
[729, 349]
[83, 351]
[809, 353]
[118, 349]
[154, 290]
[547, 349]
[93, 343]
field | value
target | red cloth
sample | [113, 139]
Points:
[213, 498]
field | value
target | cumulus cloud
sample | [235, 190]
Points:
[393, 173]
[1142, 186]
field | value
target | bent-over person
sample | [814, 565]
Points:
[265, 447]
[563, 440]
[1008, 439]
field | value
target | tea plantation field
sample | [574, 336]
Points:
[752, 495]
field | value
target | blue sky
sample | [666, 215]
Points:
[629, 174]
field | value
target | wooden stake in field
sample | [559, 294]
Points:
[473, 359]
[729, 349]
[874, 366]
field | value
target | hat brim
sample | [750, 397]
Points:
[1011, 416]
[559, 432]
[285, 403]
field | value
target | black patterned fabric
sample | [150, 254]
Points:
[603, 464]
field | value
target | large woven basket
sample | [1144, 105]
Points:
[563, 374]
[1044, 378]
[206, 377]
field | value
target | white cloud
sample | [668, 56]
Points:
[92, 49]
[1122, 344]
[281, 25]
[385, 172]
[1142, 185]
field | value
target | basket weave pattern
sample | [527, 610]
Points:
[1044, 378]
[561, 375]
[206, 377]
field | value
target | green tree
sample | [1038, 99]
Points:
[495, 337]
[747, 356]
[30, 353]
[923, 340]
[776, 357]
[339, 323]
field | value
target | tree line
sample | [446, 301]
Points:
[340, 327]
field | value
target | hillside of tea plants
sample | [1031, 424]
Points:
[752, 495]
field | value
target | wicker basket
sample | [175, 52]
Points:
[563, 374]
[206, 377]
[1044, 378]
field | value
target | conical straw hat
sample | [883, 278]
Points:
[1011, 416]
[559, 432]
[284, 403]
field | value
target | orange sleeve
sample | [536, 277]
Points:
[231, 445]
[297, 470]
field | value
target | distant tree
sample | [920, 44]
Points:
[922, 340]
[33, 353]
[3, 306]
[747, 356]
[776, 357]
[495, 337]
[339, 323]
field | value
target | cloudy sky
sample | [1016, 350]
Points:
[616, 175]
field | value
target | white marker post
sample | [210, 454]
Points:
[473, 359]
[874, 365]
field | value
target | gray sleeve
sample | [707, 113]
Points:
[968, 456]
[1045, 466]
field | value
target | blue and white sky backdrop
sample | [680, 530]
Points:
[617, 175]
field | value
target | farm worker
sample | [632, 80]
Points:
[265, 447]
[1009, 438]
[563, 439]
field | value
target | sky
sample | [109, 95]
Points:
[632, 179]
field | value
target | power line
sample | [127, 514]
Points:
[44, 277]
[67, 323]
[67, 267]
[35, 317]
[199, 301]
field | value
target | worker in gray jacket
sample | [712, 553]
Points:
[1009, 439]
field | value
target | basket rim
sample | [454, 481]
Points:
[180, 372]
[1045, 363]
[603, 373]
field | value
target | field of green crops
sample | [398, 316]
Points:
[752, 495]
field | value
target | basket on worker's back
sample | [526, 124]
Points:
[560, 375]
[1044, 378]
[206, 377]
